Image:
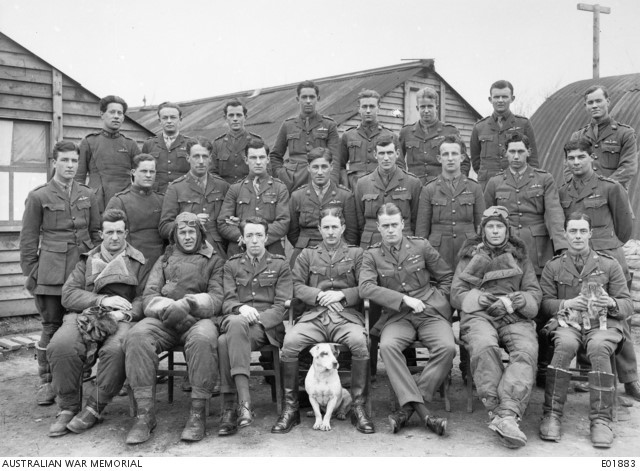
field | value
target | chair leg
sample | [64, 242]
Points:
[469, 388]
[133, 405]
[170, 376]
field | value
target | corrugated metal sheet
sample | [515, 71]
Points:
[270, 107]
[563, 113]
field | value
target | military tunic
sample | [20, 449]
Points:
[143, 208]
[317, 270]
[298, 136]
[171, 163]
[227, 158]
[447, 218]
[305, 208]
[615, 150]
[535, 215]
[403, 190]
[358, 153]
[270, 203]
[185, 194]
[385, 279]
[420, 149]
[488, 144]
[265, 287]
[108, 159]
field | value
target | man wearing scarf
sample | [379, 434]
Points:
[497, 294]
[102, 295]
[183, 294]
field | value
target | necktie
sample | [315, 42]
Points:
[254, 261]
[595, 131]
[500, 121]
[579, 263]
[256, 185]
[394, 252]
[306, 123]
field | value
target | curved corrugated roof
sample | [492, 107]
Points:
[563, 113]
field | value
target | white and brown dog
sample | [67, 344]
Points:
[323, 387]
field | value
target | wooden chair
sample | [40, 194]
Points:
[346, 373]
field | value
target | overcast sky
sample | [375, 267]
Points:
[169, 50]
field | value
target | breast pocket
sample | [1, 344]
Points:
[345, 272]
[270, 201]
[567, 285]
[598, 209]
[387, 279]
[309, 217]
[214, 203]
[413, 152]
[403, 201]
[294, 144]
[610, 158]
[502, 196]
[417, 273]
[439, 208]
[354, 149]
[54, 215]
[486, 144]
[317, 274]
[244, 208]
[536, 197]
[320, 137]
[466, 203]
[372, 201]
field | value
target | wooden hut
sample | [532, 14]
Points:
[39, 105]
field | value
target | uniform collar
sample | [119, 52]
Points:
[109, 134]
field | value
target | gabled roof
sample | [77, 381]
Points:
[268, 107]
[564, 112]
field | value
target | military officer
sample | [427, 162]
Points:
[256, 286]
[531, 197]
[420, 141]
[614, 144]
[451, 205]
[107, 155]
[358, 144]
[299, 135]
[309, 200]
[386, 184]
[143, 207]
[256, 195]
[227, 158]
[111, 278]
[397, 274]
[489, 135]
[169, 147]
[197, 192]
[605, 201]
[561, 284]
[66, 215]
[325, 279]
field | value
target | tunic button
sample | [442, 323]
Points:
[453, 211]
[331, 279]
[519, 226]
[518, 202]
[257, 209]
[168, 161]
[595, 145]
[255, 279]
[453, 223]
[253, 294]
[517, 191]
[453, 201]
[454, 236]
[519, 214]
[580, 281]
[73, 217]
[169, 173]
[403, 284]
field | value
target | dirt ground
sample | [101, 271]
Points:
[24, 426]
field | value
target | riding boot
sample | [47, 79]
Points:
[145, 421]
[194, 429]
[360, 392]
[601, 390]
[45, 396]
[555, 395]
[290, 415]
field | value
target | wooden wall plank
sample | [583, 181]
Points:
[13, 87]
[25, 75]
[26, 61]
[12, 280]
[25, 114]
[17, 308]
[26, 103]
[9, 293]
[12, 268]
[7, 256]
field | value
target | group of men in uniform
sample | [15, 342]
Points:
[186, 240]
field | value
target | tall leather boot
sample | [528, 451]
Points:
[194, 430]
[45, 396]
[145, 420]
[555, 395]
[88, 417]
[360, 392]
[290, 415]
[601, 415]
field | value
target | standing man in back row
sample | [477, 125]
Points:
[420, 141]
[300, 134]
[227, 158]
[358, 144]
[614, 144]
[107, 155]
[490, 134]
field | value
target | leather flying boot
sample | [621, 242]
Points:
[437, 425]
[633, 389]
[88, 417]
[145, 420]
[194, 429]
[601, 386]
[45, 396]
[509, 431]
[399, 419]
[555, 395]
[59, 427]
[359, 392]
[290, 415]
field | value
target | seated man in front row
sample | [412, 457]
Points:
[109, 277]
[497, 294]
[325, 278]
[257, 284]
[600, 330]
[396, 275]
[183, 294]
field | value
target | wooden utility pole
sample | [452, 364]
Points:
[596, 10]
